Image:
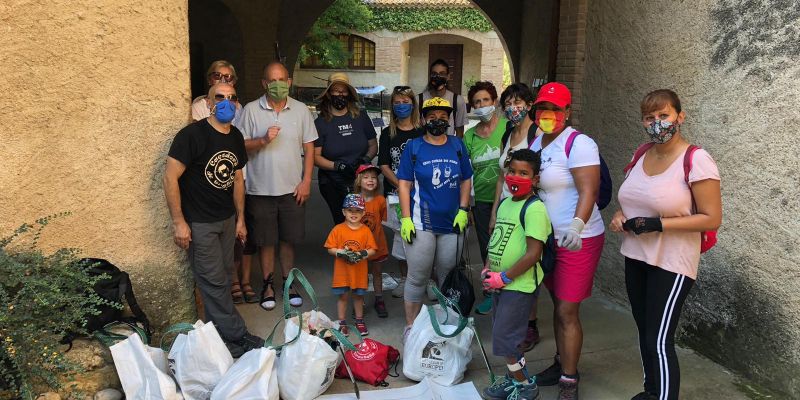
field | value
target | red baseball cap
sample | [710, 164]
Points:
[364, 167]
[556, 93]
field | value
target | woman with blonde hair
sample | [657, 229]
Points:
[404, 125]
[219, 71]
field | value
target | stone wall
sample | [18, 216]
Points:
[97, 90]
[735, 65]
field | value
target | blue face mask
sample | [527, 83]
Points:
[402, 110]
[224, 111]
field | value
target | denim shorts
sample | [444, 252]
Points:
[338, 291]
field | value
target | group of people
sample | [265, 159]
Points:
[527, 179]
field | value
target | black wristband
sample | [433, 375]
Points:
[464, 208]
[639, 225]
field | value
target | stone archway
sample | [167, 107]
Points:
[214, 34]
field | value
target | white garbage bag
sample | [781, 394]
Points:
[253, 376]
[199, 359]
[143, 371]
[307, 366]
[441, 356]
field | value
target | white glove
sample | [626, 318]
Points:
[572, 237]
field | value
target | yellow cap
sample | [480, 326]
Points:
[436, 103]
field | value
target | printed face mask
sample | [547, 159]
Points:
[278, 90]
[484, 113]
[550, 121]
[516, 114]
[661, 131]
[224, 111]
[402, 110]
[437, 81]
[436, 127]
[518, 186]
[339, 102]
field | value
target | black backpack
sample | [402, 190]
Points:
[510, 128]
[113, 289]
[548, 261]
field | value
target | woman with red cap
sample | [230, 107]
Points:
[569, 186]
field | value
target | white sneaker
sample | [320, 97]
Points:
[399, 290]
[295, 300]
[429, 289]
[268, 305]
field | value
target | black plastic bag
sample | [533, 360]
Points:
[458, 290]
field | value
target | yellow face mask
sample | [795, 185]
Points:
[549, 121]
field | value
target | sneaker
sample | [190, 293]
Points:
[343, 328]
[485, 306]
[525, 391]
[235, 350]
[531, 340]
[567, 389]
[500, 389]
[429, 289]
[380, 308]
[645, 396]
[399, 290]
[406, 330]
[362, 327]
[268, 302]
[295, 300]
[551, 375]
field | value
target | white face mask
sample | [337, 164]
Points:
[484, 113]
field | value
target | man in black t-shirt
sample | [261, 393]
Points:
[204, 186]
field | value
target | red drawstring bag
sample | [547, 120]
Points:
[371, 363]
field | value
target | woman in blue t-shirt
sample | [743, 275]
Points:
[434, 189]
[346, 140]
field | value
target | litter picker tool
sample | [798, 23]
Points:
[350, 373]
[492, 377]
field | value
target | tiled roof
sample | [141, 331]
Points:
[419, 3]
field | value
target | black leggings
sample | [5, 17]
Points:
[656, 298]
[334, 194]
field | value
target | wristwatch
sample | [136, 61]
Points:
[464, 208]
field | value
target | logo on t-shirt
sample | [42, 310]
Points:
[352, 245]
[221, 169]
[346, 129]
[500, 237]
[370, 220]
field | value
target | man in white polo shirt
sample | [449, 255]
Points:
[278, 131]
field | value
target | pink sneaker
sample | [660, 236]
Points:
[362, 327]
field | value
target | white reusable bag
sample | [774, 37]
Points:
[438, 346]
[198, 360]
[143, 371]
[253, 376]
[307, 363]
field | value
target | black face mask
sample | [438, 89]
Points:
[437, 127]
[339, 102]
[437, 81]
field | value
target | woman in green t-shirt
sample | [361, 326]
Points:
[484, 145]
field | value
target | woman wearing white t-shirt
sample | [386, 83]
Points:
[569, 186]
[671, 194]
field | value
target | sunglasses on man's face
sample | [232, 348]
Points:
[231, 97]
[218, 76]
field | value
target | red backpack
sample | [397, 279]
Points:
[708, 238]
[371, 363]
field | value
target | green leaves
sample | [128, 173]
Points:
[426, 19]
[42, 297]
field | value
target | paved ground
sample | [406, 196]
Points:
[610, 365]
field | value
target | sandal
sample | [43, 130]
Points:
[249, 293]
[268, 302]
[294, 298]
[236, 293]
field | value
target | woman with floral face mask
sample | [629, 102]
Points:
[346, 140]
[434, 187]
[569, 183]
[670, 196]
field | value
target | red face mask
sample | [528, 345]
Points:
[518, 186]
[550, 121]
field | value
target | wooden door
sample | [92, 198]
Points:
[453, 54]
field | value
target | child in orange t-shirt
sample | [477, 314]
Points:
[352, 244]
[367, 186]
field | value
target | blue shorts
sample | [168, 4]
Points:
[510, 321]
[338, 291]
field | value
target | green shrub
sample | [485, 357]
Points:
[42, 297]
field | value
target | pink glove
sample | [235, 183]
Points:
[484, 273]
[493, 281]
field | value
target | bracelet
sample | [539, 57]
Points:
[505, 278]
[464, 208]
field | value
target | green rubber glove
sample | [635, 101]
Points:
[461, 221]
[407, 230]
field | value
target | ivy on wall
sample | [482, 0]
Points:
[428, 19]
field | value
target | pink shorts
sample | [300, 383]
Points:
[574, 274]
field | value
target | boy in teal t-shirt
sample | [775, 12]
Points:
[513, 272]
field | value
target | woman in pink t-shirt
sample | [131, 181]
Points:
[662, 234]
